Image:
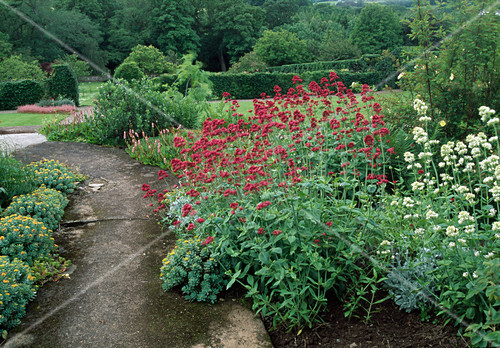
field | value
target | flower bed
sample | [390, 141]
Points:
[35, 109]
[298, 200]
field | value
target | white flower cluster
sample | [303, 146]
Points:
[451, 231]
[419, 231]
[469, 229]
[464, 216]
[478, 141]
[421, 108]
[496, 226]
[408, 202]
[495, 192]
[431, 214]
[420, 135]
[409, 157]
[485, 113]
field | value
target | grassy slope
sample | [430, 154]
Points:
[15, 119]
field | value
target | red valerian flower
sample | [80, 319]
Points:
[260, 231]
[145, 187]
[369, 140]
[208, 240]
[233, 205]
[296, 79]
[190, 227]
[186, 209]
[225, 95]
[329, 224]
[162, 174]
[391, 150]
[277, 232]
[200, 220]
[421, 171]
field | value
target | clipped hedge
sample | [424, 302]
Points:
[129, 71]
[63, 83]
[362, 64]
[21, 92]
[249, 86]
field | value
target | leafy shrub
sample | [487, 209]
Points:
[363, 64]
[53, 175]
[63, 83]
[45, 205]
[25, 238]
[19, 68]
[192, 266]
[47, 269]
[80, 67]
[36, 109]
[16, 290]
[280, 47]
[14, 180]
[22, 92]
[58, 102]
[150, 61]
[249, 63]
[128, 71]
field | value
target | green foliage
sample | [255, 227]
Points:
[16, 290]
[333, 47]
[19, 68]
[47, 269]
[45, 205]
[21, 92]
[128, 71]
[5, 46]
[53, 175]
[377, 29]
[14, 180]
[25, 238]
[462, 74]
[63, 83]
[80, 67]
[249, 63]
[280, 47]
[150, 60]
[192, 266]
[249, 86]
[363, 64]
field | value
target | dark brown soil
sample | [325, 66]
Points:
[388, 328]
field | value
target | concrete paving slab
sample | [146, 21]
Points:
[13, 142]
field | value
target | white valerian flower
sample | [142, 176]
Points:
[416, 216]
[407, 216]
[477, 253]
[419, 135]
[441, 164]
[474, 275]
[495, 192]
[496, 226]
[489, 162]
[409, 157]
[464, 216]
[476, 140]
[492, 213]
[493, 139]
[426, 119]
[436, 228]
[461, 240]
[465, 274]
[451, 231]
[489, 255]
[470, 197]
[493, 121]
[419, 231]
[400, 76]
[431, 215]
[394, 203]
[408, 202]
[417, 186]
[460, 188]
[469, 229]
[485, 113]
[420, 107]
[461, 148]
[452, 77]
[452, 244]
[385, 242]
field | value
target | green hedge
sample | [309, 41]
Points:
[249, 86]
[21, 92]
[63, 83]
[363, 64]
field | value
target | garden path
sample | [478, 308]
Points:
[114, 296]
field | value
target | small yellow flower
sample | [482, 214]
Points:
[442, 123]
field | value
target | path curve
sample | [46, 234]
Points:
[114, 297]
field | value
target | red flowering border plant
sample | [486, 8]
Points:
[283, 197]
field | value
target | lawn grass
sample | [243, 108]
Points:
[14, 119]
[88, 92]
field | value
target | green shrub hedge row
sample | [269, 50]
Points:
[21, 92]
[63, 83]
[362, 64]
[249, 86]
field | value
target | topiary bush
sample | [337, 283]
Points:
[63, 83]
[16, 290]
[21, 92]
[25, 238]
[52, 174]
[44, 204]
[128, 71]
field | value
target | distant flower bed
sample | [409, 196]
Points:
[35, 109]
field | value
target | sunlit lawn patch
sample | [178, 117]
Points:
[18, 119]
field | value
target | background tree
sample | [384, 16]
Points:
[281, 47]
[18, 68]
[377, 28]
[150, 60]
[279, 12]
